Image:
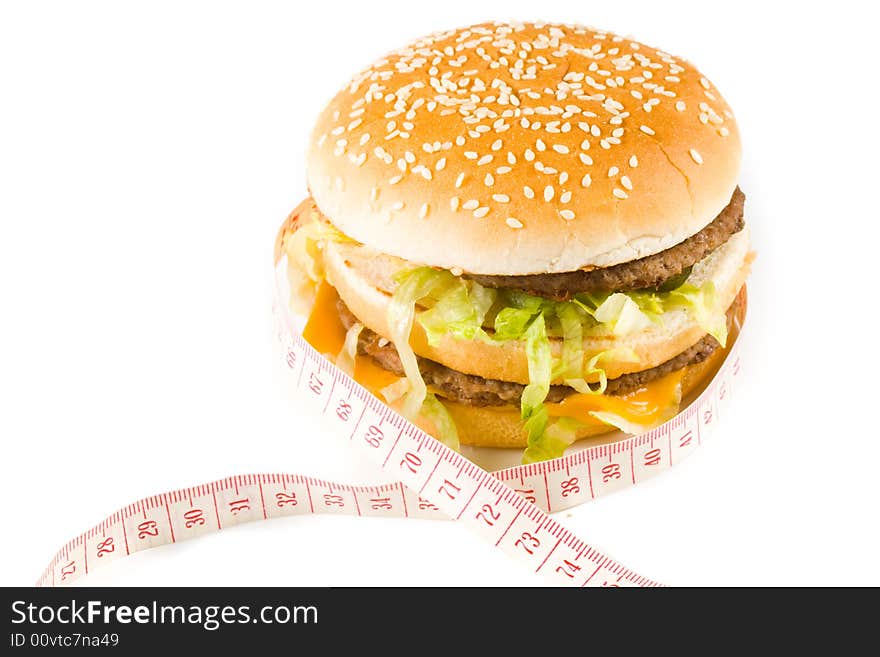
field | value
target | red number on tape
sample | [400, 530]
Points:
[343, 411]
[450, 489]
[411, 462]
[147, 528]
[570, 487]
[528, 542]
[333, 500]
[610, 471]
[194, 517]
[374, 436]
[488, 514]
[652, 457]
[283, 499]
[67, 570]
[685, 439]
[567, 568]
[528, 493]
[239, 505]
[106, 547]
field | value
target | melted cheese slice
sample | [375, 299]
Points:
[325, 332]
[648, 406]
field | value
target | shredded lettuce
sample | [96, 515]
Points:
[625, 354]
[553, 441]
[434, 411]
[401, 310]
[540, 363]
[702, 302]
[621, 314]
[457, 307]
[571, 325]
[394, 391]
[346, 356]
[304, 263]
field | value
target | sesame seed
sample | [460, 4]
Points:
[680, 105]
[695, 155]
[364, 138]
[619, 193]
[454, 203]
[394, 180]
[514, 223]
[560, 148]
[626, 182]
[481, 212]
[646, 130]
[586, 159]
[540, 145]
[548, 193]
[472, 204]
[568, 215]
[497, 144]
[563, 177]
[441, 164]
[528, 192]
[399, 205]
[634, 161]
[409, 157]
[501, 198]
[459, 180]
[423, 211]
[484, 160]
[723, 131]
[565, 197]
[613, 171]
[471, 155]
[586, 181]
[502, 170]
[489, 180]
[529, 154]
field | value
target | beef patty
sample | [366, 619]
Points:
[649, 272]
[477, 391]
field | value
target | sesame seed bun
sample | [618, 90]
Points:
[364, 280]
[524, 148]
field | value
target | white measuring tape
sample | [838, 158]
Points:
[509, 508]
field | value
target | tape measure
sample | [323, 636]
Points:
[508, 508]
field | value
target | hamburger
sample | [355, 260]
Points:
[523, 234]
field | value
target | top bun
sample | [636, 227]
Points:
[522, 148]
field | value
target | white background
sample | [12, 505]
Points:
[147, 157]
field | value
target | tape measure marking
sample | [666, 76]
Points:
[507, 508]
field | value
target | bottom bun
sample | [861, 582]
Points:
[494, 426]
